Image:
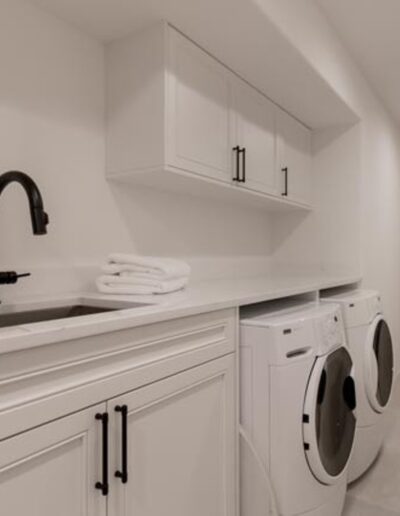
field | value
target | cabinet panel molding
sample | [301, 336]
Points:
[53, 469]
[177, 114]
[42, 383]
[256, 133]
[181, 445]
[294, 158]
[198, 111]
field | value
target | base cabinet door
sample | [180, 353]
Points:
[294, 158]
[52, 470]
[255, 139]
[174, 449]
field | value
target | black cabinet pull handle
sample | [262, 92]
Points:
[285, 170]
[243, 152]
[123, 473]
[236, 177]
[240, 178]
[104, 486]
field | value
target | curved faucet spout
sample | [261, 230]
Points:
[39, 217]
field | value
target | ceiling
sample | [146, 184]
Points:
[106, 19]
[244, 44]
[370, 31]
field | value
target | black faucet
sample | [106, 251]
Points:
[39, 217]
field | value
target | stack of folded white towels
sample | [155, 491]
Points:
[134, 274]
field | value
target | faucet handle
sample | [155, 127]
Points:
[23, 275]
[11, 277]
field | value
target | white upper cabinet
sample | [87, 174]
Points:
[199, 111]
[179, 119]
[294, 158]
[255, 138]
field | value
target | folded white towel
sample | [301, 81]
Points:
[129, 271]
[164, 268]
[110, 279]
[109, 284]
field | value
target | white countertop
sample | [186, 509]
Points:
[198, 298]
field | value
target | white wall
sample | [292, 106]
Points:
[380, 215]
[52, 126]
[327, 238]
[371, 225]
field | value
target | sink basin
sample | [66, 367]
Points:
[28, 313]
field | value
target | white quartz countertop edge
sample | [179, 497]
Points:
[198, 298]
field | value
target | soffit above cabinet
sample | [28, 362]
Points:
[237, 32]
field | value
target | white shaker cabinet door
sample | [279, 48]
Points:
[255, 135]
[198, 111]
[180, 445]
[294, 158]
[52, 470]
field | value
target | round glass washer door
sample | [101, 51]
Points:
[329, 420]
[379, 364]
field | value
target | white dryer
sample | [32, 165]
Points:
[371, 347]
[298, 404]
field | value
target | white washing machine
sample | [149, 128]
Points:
[298, 404]
[371, 347]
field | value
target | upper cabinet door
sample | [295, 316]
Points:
[255, 135]
[294, 158]
[176, 442]
[52, 470]
[198, 112]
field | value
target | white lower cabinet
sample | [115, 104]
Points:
[175, 442]
[52, 470]
[165, 449]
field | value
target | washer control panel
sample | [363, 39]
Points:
[331, 327]
[359, 307]
[375, 305]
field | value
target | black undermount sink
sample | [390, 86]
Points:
[14, 317]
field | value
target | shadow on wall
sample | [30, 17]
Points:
[162, 223]
[338, 179]
[285, 229]
[328, 238]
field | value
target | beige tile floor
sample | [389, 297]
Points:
[377, 493]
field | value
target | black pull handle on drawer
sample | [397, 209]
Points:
[285, 170]
[103, 485]
[123, 472]
[236, 177]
